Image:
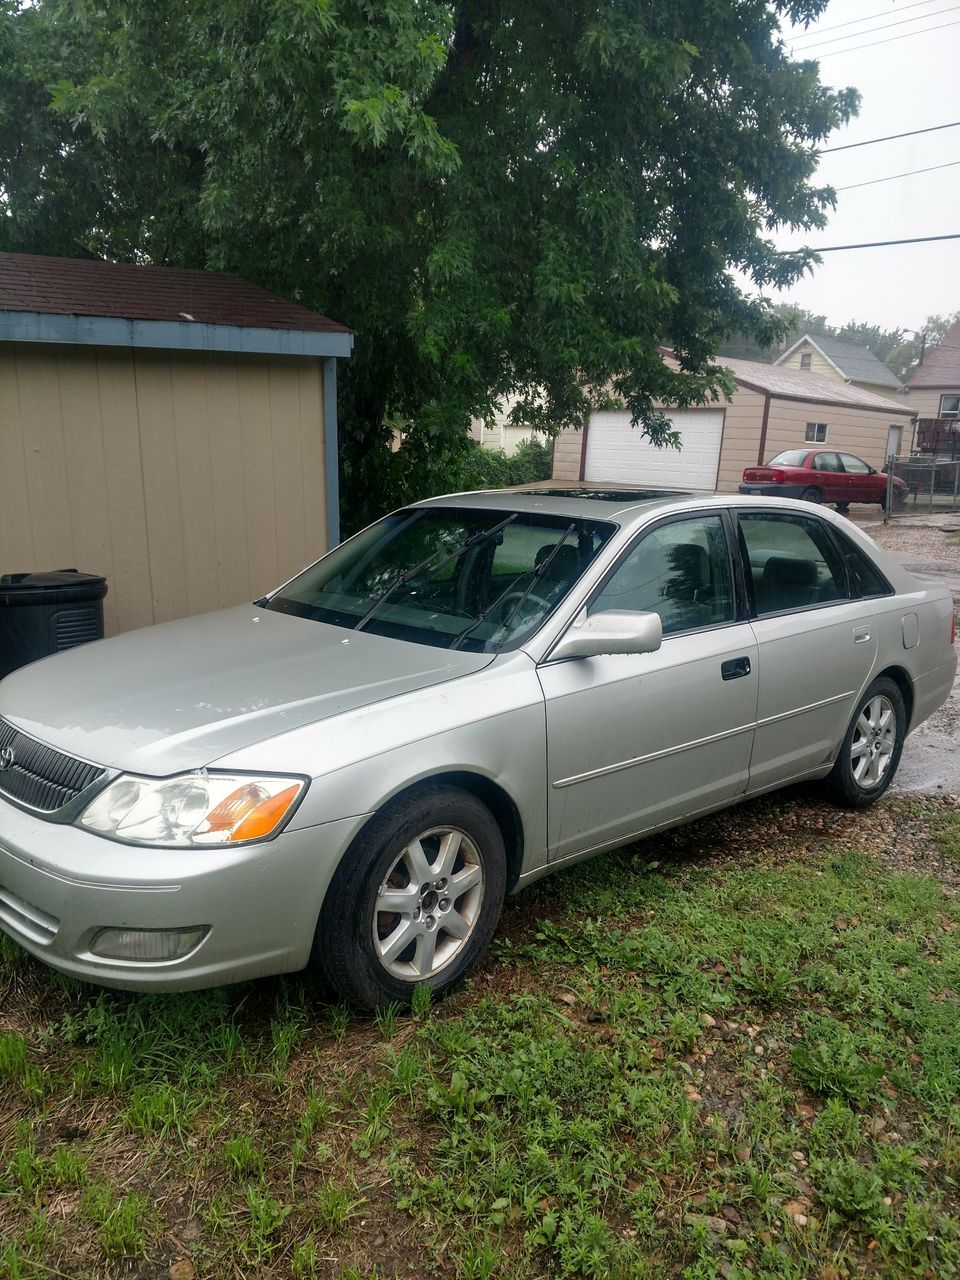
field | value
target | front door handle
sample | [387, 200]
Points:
[861, 635]
[734, 668]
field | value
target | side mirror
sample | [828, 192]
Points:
[610, 632]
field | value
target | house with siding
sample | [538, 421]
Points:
[842, 362]
[935, 394]
[772, 408]
[173, 430]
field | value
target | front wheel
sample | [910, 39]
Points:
[415, 901]
[871, 748]
[811, 494]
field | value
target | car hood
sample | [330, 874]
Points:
[183, 694]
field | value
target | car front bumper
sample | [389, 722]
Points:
[258, 904]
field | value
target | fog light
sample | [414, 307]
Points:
[148, 945]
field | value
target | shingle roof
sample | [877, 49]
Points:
[74, 286]
[857, 363]
[802, 385]
[941, 368]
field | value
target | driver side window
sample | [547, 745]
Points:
[680, 570]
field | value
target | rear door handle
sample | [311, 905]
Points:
[861, 635]
[734, 668]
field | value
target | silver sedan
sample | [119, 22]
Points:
[352, 772]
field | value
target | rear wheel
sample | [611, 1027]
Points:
[871, 748]
[811, 494]
[843, 508]
[415, 901]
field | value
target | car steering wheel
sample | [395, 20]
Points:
[509, 601]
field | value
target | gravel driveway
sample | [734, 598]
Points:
[928, 546]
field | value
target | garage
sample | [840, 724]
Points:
[617, 452]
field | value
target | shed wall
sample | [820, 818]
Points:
[859, 431]
[192, 481]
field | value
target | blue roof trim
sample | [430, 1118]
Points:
[170, 335]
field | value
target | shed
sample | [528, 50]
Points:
[772, 408]
[174, 430]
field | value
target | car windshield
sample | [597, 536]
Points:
[454, 577]
[789, 458]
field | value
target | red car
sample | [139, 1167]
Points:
[822, 475]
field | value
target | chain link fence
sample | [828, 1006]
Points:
[919, 484]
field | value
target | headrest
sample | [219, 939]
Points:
[786, 569]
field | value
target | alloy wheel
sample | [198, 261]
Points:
[428, 904]
[874, 739]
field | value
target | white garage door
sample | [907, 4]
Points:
[619, 453]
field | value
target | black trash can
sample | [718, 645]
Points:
[44, 613]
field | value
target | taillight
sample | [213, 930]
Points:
[777, 477]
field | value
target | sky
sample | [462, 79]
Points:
[909, 82]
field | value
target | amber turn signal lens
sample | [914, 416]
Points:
[265, 816]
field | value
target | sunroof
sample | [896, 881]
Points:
[611, 495]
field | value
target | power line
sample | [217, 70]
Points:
[905, 35]
[888, 13]
[890, 177]
[888, 26]
[872, 244]
[849, 146]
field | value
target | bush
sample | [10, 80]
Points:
[492, 469]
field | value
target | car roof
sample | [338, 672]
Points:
[590, 502]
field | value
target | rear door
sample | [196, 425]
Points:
[830, 477]
[816, 643]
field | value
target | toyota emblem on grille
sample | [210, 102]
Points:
[6, 759]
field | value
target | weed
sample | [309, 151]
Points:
[388, 1019]
[266, 1217]
[243, 1158]
[828, 1062]
[334, 1206]
[123, 1221]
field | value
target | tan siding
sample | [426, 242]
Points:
[925, 402]
[860, 431]
[16, 534]
[128, 568]
[566, 454]
[190, 480]
[741, 437]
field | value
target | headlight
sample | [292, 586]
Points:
[193, 810]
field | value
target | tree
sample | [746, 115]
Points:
[501, 198]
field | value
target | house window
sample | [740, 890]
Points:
[805, 360]
[816, 432]
[950, 406]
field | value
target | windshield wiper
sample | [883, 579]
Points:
[538, 573]
[481, 536]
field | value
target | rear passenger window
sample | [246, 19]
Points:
[792, 561]
[680, 570]
[864, 574]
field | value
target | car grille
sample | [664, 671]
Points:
[38, 776]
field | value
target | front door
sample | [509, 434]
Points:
[636, 741]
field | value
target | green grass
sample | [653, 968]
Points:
[732, 1066]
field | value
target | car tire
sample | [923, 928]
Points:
[445, 835]
[871, 748]
[811, 494]
[843, 508]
